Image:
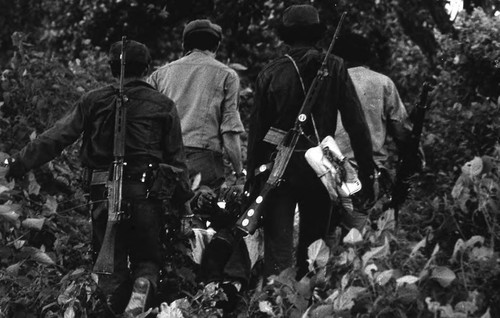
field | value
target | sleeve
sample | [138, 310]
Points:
[50, 143]
[398, 122]
[354, 122]
[231, 120]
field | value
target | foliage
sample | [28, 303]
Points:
[442, 261]
[465, 100]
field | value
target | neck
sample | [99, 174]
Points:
[207, 52]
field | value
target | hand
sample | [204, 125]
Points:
[231, 193]
[205, 198]
[370, 191]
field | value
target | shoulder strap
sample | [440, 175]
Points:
[304, 91]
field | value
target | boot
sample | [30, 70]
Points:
[138, 298]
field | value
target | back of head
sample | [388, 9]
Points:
[202, 35]
[301, 24]
[353, 48]
[137, 58]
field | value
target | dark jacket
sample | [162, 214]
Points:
[279, 96]
[153, 132]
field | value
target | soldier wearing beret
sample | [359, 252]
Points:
[153, 138]
[205, 92]
[280, 89]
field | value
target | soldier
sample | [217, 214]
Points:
[206, 94]
[385, 114]
[153, 140]
[279, 92]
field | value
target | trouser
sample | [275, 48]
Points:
[207, 162]
[137, 240]
[226, 258]
[300, 187]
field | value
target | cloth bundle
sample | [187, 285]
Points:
[336, 172]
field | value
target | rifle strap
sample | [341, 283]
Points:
[305, 93]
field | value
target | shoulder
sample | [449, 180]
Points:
[157, 97]
[273, 67]
[225, 69]
[362, 71]
[98, 93]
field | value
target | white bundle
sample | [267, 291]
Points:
[324, 170]
[328, 171]
[351, 184]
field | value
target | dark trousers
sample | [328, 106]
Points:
[226, 259]
[137, 240]
[300, 186]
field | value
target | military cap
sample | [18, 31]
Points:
[135, 52]
[300, 15]
[202, 25]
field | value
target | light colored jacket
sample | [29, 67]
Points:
[384, 111]
[205, 92]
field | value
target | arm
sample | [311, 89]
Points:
[399, 125]
[232, 145]
[398, 122]
[354, 122]
[50, 143]
[231, 125]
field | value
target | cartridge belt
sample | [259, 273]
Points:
[101, 177]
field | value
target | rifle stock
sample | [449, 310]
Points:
[248, 221]
[105, 260]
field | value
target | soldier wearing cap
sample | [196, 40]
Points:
[153, 138]
[385, 114]
[205, 92]
[279, 93]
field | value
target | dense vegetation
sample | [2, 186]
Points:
[441, 262]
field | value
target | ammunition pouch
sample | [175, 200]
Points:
[171, 183]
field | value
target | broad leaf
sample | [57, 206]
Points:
[408, 279]
[384, 277]
[443, 275]
[318, 252]
[9, 212]
[417, 247]
[353, 237]
[376, 252]
[33, 223]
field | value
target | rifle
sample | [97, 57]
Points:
[408, 163]
[105, 260]
[248, 221]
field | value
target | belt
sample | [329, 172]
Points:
[101, 177]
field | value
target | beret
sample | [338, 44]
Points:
[202, 25]
[134, 52]
[300, 15]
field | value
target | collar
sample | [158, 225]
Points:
[204, 52]
[136, 82]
